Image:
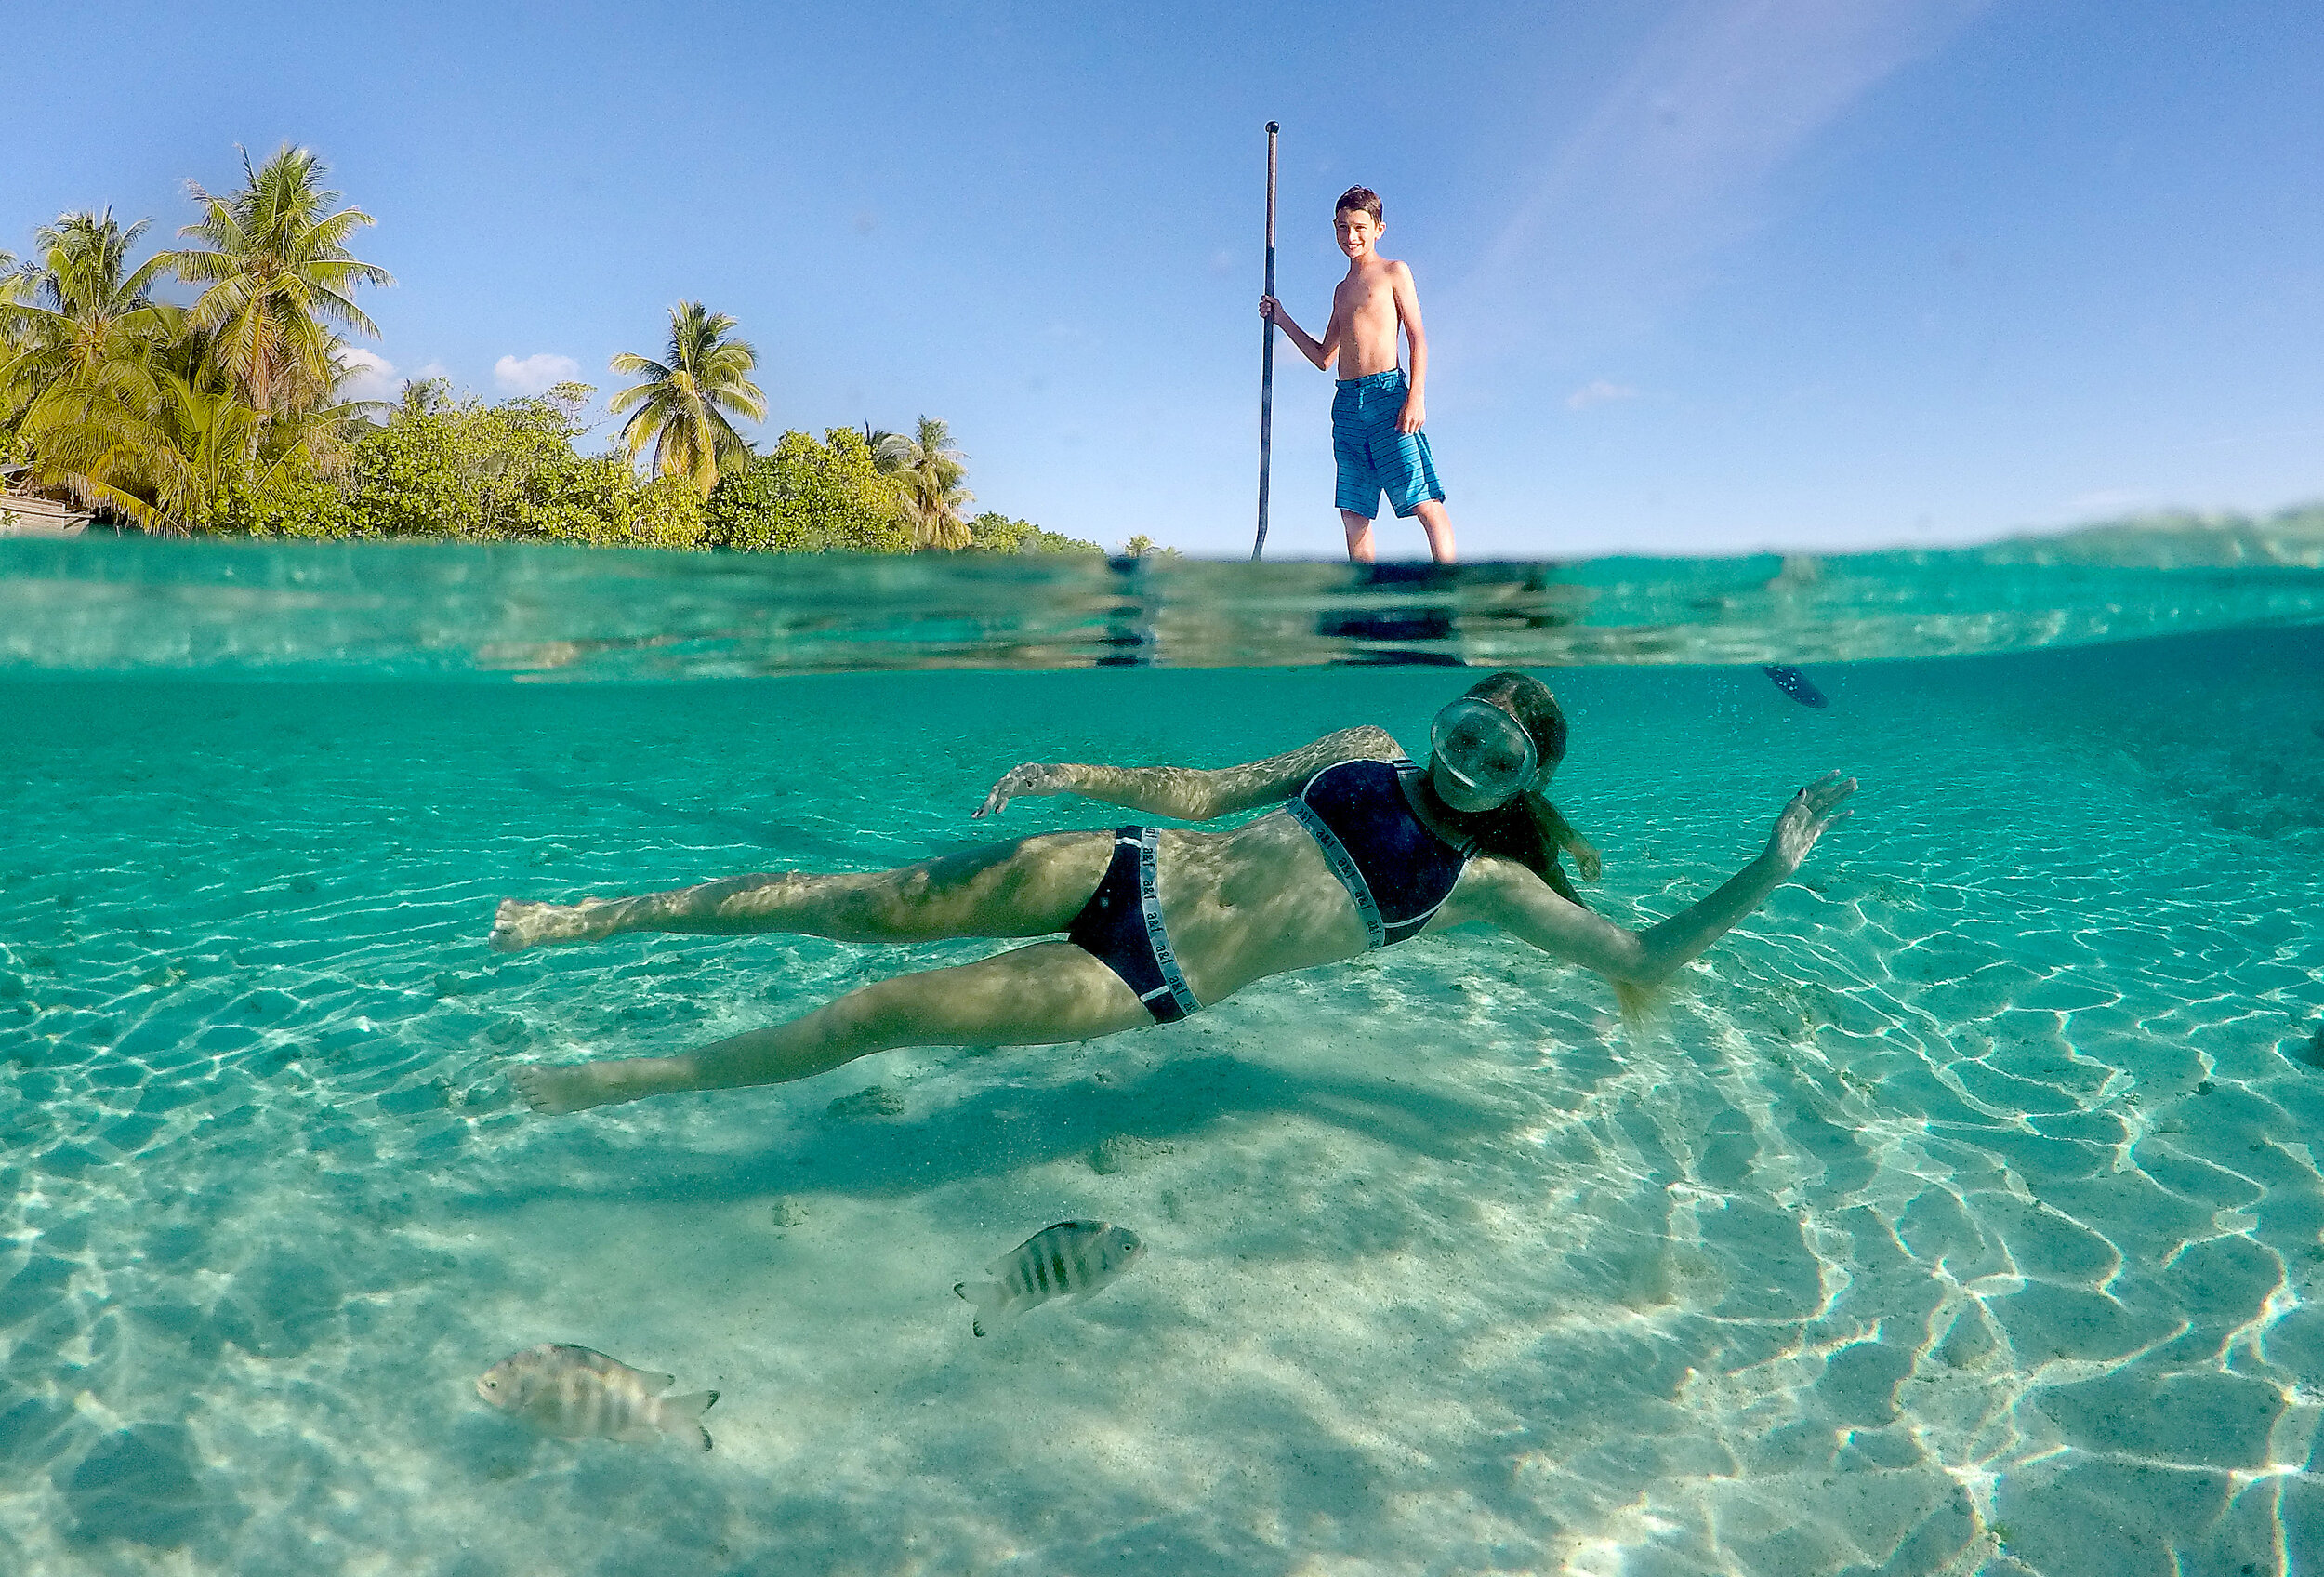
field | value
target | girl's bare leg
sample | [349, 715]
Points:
[1028, 888]
[1032, 996]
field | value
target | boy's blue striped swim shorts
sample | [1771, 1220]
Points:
[1374, 457]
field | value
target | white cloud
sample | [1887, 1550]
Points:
[370, 374]
[1671, 163]
[1598, 393]
[537, 373]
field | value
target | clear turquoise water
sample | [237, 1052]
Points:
[1961, 1215]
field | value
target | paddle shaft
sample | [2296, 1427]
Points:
[1267, 356]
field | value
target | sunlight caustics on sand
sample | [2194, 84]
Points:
[1959, 1213]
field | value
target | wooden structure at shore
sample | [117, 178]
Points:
[28, 514]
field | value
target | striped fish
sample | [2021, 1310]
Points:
[1072, 1259]
[576, 1393]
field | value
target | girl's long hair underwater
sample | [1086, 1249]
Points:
[1528, 829]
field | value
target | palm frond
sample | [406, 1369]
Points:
[682, 404]
[278, 277]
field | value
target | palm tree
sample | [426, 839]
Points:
[682, 404]
[78, 306]
[209, 438]
[423, 397]
[82, 359]
[201, 439]
[279, 281]
[161, 461]
[928, 469]
[322, 435]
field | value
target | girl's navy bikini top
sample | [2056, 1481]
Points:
[1396, 868]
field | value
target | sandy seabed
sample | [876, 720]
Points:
[1959, 1214]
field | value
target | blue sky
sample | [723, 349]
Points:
[1698, 276]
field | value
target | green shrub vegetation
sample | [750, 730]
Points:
[995, 533]
[459, 468]
[810, 495]
[228, 413]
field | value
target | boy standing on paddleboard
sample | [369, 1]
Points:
[1377, 413]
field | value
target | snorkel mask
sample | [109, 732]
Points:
[1484, 757]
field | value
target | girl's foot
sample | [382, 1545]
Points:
[520, 924]
[575, 1087]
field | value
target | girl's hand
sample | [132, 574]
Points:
[1585, 858]
[1034, 778]
[1805, 819]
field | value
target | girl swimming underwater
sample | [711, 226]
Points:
[1365, 850]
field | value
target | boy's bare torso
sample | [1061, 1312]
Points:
[1372, 306]
[1364, 317]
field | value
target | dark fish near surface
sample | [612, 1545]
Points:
[576, 1393]
[1794, 683]
[1072, 1259]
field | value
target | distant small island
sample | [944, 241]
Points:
[228, 414]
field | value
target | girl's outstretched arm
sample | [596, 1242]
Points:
[1192, 793]
[1528, 908]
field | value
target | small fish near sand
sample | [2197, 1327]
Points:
[1075, 1259]
[576, 1393]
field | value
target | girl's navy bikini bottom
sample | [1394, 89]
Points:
[1395, 867]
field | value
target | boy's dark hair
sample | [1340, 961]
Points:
[1362, 199]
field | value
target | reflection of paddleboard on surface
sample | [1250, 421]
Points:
[1794, 683]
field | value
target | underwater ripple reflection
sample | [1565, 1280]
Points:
[1959, 1213]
